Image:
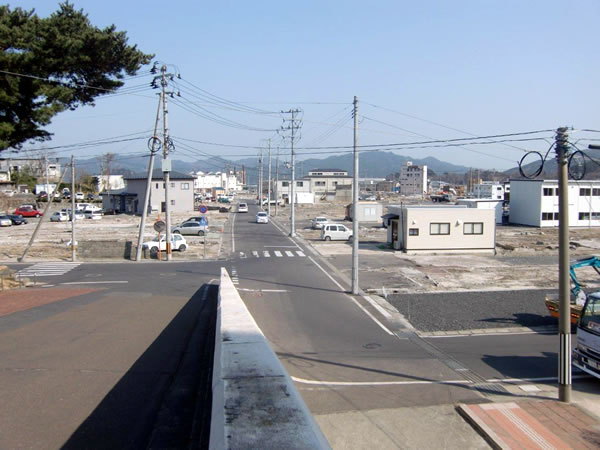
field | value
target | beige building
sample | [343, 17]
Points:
[442, 229]
[324, 182]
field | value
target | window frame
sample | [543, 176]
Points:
[439, 226]
[473, 226]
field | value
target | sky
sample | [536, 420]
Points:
[422, 71]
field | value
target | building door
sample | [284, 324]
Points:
[163, 207]
[394, 233]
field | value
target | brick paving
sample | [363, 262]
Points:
[534, 424]
[16, 300]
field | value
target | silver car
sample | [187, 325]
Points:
[5, 221]
[191, 227]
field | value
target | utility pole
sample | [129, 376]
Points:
[277, 181]
[154, 145]
[260, 183]
[73, 244]
[269, 183]
[564, 324]
[355, 189]
[166, 163]
[294, 124]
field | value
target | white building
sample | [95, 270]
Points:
[282, 189]
[489, 189]
[205, 182]
[324, 182]
[413, 179]
[442, 229]
[484, 203]
[535, 203]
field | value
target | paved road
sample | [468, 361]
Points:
[110, 355]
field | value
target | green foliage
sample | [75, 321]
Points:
[24, 177]
[63, 56]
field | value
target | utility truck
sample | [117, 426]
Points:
[586, 354]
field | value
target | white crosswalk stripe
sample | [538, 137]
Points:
[278, 253]
[243, 255]
[47, 269]
[290, 254]
[266, 254]
[255, 253]
[300, 253]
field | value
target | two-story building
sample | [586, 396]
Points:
[324, 182]
[535, 203]
[205, 182]
[489, 189]
[37, 167]
[282, 189]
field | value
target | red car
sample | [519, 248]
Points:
[28, 211]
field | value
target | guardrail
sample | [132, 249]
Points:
[255, 403]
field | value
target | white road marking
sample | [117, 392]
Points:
[278, 253]
[255, 253]
[377, 306]
[47, 269]
[266, 254]
[299, 253]
[288, 253]
[378, 383]
[281, 246]
[243, 255]
[96, 282]
[262, 290]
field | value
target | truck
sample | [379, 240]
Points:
[586, 354]
[578, 295]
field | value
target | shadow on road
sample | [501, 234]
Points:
[164, 399]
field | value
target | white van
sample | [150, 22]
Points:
[335, 232]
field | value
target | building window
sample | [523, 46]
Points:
[596, 192]
[371, 211]
[172, 202]
[164, 185]
[413, 231]
[335, 183]
[285, 184]
[585, 192]
[319, 183]
[549, 216]
[473, 228]
[156, 185]
[299, 183]
[439, 228]
[172, 185]
[185, 186]
[548, 192]
[584, 216]
[596, 216]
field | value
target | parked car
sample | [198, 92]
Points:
[56, 196]
[317, 222]
[243, 208]
[335, 232]
[79, 196]
[91, 197]
[225, 209]
[79, 215]
[191, 227]
[43, 196]
[196, 219]
[178, 242]
[28, 211]
[17, 219]
[262, 217]
[5, 221]
[92, 214]
[59, 216]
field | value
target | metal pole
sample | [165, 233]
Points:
[564, 324]
[73, 245]
[260, 182]
[269, 183]
[355, 189]
[153, 150]
[293, 182]
[277, 181]
[166, 165]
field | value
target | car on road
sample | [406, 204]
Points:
[178, 242]
[335, 232]
[190, 228]
[243, 208]
[17, 219]
[59, 216]
[262, 217]
[28, 211]
[5, 221]
[79, 196]
[317, 222]
[93, 214]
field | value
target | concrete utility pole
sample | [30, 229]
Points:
[564, 325]
[73, 244]
[259, 182]
[154, 147]
[269, 183]
[355, 191]
[277, 181]
[293, 126]
[166, 163]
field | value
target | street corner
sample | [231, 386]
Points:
[16, 300]
[533, 424]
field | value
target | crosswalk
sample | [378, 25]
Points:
[47, 269]
[276, 254]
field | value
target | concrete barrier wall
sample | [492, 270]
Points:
[255, 403]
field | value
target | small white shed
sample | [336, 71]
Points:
[442, 229]
[484, 203]
[367, 211]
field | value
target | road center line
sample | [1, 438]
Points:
[96, 282]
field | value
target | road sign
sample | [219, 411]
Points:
[160, 226]
[203, 209]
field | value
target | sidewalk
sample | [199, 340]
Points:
[533, 424]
